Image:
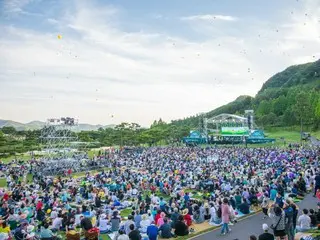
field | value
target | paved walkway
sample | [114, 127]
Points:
[252, 225]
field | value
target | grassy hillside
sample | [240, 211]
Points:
[283, 101]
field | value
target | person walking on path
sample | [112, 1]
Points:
[225, 215]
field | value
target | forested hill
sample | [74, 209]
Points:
[283, 100]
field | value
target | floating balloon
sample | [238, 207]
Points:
[59, 36]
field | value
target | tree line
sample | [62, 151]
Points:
[124, 134]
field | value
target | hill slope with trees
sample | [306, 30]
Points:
[284, 100]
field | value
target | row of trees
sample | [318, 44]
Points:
[12, 141]
[130, 134]
[124, 134]
[291, 109]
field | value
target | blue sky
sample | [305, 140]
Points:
[142, 60]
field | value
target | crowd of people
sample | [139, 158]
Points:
[160, 191]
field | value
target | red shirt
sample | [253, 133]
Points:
[39, 205]
[188, 220]
[6, 197]
[156, 218]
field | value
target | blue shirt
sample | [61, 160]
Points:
[152, 232]
[273, 194]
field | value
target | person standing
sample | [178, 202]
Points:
[289, 219]
[265, 235]
[265, 205]
[277, 216]
[225, 216]
[317, 183]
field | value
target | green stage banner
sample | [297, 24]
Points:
[235, 131]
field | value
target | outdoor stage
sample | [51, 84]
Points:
[227, 129]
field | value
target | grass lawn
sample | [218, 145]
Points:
[125, 212]
[287, 135]
[3, 181]
[19, 156]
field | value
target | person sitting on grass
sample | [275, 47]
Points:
[313, 218]
[181, 229]
[134, 234]
[121, 235]
[214, 220]
[57, 223]
[86, 223]
[304, 222]
[152, 231]
[115, 221]
[45, 232]
[174, 217]
[187, 218]
[165, 229]
[244, 207]
[238, 199]
[104, 226]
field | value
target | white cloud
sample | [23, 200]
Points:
[99, 69]
[15, 7]
[209, 17]
[52, 21]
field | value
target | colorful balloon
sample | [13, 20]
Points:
[59, 36]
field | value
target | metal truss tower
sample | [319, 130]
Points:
[56, 137]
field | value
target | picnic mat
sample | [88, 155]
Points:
[240, 214]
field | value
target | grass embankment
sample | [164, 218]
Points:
[26, 156]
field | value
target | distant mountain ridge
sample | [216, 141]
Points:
[36, 125]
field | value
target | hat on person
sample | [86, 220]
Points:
[144, 217]
[265, 227]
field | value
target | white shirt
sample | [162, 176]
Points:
[53, 215]
[155, 200]
[304, 221]
[144, 225]
[103, 224]
[77, 219]
[57, 223]
[121, 237]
